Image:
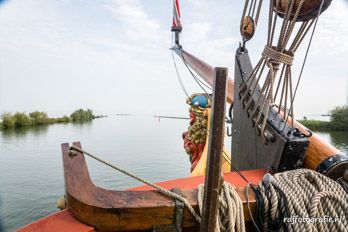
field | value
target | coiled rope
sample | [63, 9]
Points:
[313, 202]
[230, 216]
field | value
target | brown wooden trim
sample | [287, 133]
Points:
[109, 210]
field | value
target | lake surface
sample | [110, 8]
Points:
[31, 174]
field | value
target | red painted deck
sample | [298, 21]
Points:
[254, 176]
[63, 221]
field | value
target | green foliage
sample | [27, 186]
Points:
[81, 115]
[22, 120]
[339, 118]
[36, 118]
[39, 118]
[8, 121]
[64, 119]
[316, 124]
[52, 121]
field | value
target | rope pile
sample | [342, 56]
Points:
[302, 200]
[230, 215]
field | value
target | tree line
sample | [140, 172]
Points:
[338, 120]
[36, 118]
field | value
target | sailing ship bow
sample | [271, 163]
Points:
[282, 143]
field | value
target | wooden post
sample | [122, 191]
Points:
[213, 177]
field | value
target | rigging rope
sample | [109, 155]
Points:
[198, 81]
[179, 77]
[74, 149]
[306, 55]
[277, 57]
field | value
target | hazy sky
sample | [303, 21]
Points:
[113, 57]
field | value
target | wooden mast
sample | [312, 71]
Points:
[213, 178]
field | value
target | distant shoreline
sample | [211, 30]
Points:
[38, 118]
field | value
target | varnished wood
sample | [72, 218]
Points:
[247, 28]
[206, 72]
[318, 149]
[109, 210]
[213, 178]
[309, 9]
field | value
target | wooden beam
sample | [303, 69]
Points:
[213, 177]
[205, 71]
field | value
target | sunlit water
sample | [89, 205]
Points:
[31, 175]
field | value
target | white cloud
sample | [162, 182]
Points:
[137, 24]
[120, 48]
[331, 35]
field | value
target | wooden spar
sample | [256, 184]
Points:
[204, 70]
[109, 210]
[318, 151]
[213, 178]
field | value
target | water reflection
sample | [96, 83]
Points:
[24, 131]
[340, 140]
[1, 226]
[82, 124]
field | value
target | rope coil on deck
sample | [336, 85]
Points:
[230, 215]
[310, 198]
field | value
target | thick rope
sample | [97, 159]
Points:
[310, 197]
[230, 216]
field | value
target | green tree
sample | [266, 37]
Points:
[81, 115]
[64, 119]
[339, 118]
[8, 120]
[39, 118]
[22, 120]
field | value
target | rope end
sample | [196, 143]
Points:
[72, 151]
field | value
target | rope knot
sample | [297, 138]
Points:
[72, 151]
[277, 57]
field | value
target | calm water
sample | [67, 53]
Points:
[31, 175]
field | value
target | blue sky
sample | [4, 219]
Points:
[112, 56]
